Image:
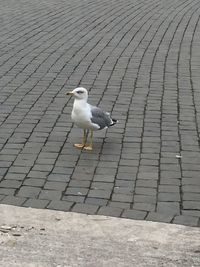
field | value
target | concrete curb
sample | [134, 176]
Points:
[44, 238]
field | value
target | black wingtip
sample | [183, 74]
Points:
[114, 121]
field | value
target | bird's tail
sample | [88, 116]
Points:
[113, 122]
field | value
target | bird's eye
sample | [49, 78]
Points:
[79, 92]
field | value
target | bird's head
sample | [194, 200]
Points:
[79, 93]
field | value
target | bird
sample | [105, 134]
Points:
[88, 117]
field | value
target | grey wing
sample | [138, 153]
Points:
[100, 117]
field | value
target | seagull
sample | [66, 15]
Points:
[88, 117]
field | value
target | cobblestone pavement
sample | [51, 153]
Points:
[140, 61]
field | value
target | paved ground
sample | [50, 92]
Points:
[47, 238]
[140, 60]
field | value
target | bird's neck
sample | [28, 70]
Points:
[80, 102]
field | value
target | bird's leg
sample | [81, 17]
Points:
[83, 141]
[89, 147]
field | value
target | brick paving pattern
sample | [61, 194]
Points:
[140, 61]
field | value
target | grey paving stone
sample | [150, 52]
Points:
[45, 161]
[192, 196]
[48, 155]
[10, 184]
[78, 170]
[15, 176]
[76, 191]
[186, 220]
[12, 200]
[126, 176]
[3, 171]
[169, 188]
[164, 181]
[75, 183]
[34, 182]
[50, 194]
[19, 169]
[10, 151]
[191, 174]
[29, 191]
[190, 181]
[122, 198]
[125, 183]
[36, 203]
[85, 208]
[127, 169]
[96, 201]
[2, 197]
[117, 204]
[191, 205]
[77, 199]
[145, 199]
[169, 197]
[170, 174]
[60, 186]
[169, 208]
[82, 177]
[144, 206]
[134, 214]
[58, 177]
[148, 175]
[103, 178]
[123, 190]
[43, 167]
[60, 205]
[7, 191]
[145, 191]
[4, 165]
[195, 213]
[38, 174]
[159, 217]
[190, 189]
[110, 211]
[149, 162]
[147, 183]
[101, 186]
[99, 193]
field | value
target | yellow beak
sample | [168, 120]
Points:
[70, 93]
